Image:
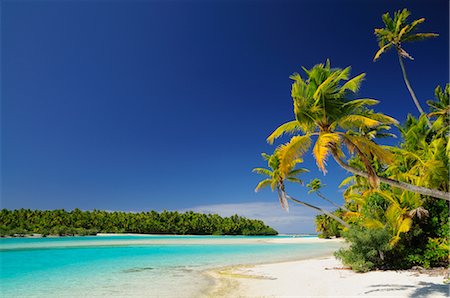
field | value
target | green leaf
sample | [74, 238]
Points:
[288, 127]
[264, 183]
[381, 51]
[263, 171]
[353, 84]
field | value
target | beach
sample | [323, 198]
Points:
[324, 277]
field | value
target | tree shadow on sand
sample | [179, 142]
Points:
[429, 289]
[424, 289]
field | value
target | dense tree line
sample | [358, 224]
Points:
[77, 222]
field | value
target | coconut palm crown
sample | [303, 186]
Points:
[325, 106]
[396, 32]
[276, 176]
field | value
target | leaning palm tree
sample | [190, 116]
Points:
[276, 177]
[325, 108]
[396, 32]
[314, 187]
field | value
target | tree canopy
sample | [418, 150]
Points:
[77, 222]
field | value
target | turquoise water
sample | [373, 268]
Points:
[124, 266]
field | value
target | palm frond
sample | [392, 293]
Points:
[298, 171]
[415, 23]
[381, 51]
[294, 180]
[353, 84]
[420, 36]
[262, 184]
[370, 148]
[290, 152]
[322, 148]
[405, 225]
[263, 171]
[288, 127]
[373, 224]
[266, 156]
[325, 85]
[347, 181]
[357, 121]
[360, 102]
[382, 118]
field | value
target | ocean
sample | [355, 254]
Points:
[139, 266]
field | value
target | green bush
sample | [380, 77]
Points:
[436, 253]
[367, 250]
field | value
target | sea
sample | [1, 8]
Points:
[135, 266]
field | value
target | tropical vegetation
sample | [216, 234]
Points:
[276, 176]
[396, 32]
[76, 222]
[395, 212]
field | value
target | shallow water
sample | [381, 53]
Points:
[163, 266]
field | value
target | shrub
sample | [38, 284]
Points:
[436, 253]
[367, 250]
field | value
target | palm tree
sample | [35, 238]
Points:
[396, 32]
[276, 177]
[314, 187]
[325, 108]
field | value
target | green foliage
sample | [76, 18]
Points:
[326, 110]
[277, 175]
[327, 226]
[391, 201]
[63, 223]
[436, 253]
[368, 249]
[418, 225]
[397, 30]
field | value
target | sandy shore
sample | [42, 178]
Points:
[322, 277]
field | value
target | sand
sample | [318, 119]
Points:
[322, 277]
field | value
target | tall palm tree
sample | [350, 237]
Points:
[276, 177]
[325, 108]
[396, 32]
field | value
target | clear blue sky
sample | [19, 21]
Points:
[141, 105]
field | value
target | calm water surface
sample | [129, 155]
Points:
[124, 266]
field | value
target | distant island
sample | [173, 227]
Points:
[23, 222]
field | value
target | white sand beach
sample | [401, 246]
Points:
[323, 277]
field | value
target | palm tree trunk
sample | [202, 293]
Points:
[318, 193]
[403, 185]
[320, 210]
[411, 91]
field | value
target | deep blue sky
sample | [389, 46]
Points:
[140, 105]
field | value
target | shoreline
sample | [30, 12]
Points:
[36, 235]
[322, 276]
[224, 281]
[162, 240]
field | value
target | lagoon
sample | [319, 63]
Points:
[139, 266]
